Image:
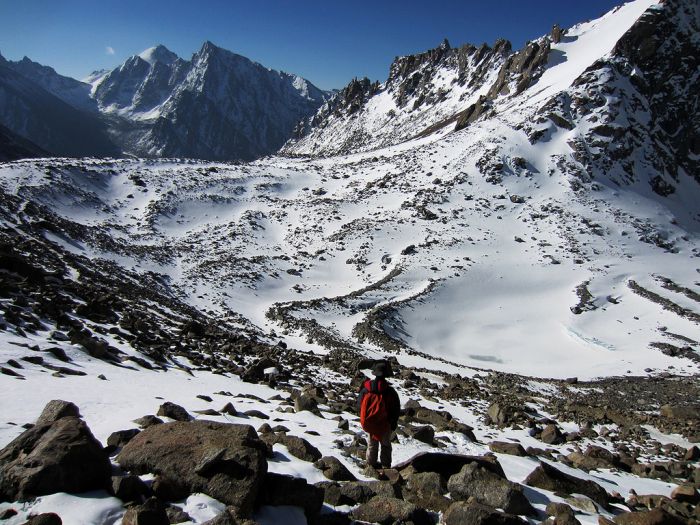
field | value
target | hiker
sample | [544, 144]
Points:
[379, 408]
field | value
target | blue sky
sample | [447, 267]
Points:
[327, 42]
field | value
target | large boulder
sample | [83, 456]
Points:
[334, 470]
[223, 460]
[549, 478]
[486, 487]
[57, 409]
[280, 489]
[56, 456]
[426, 489]
[390, 510]
[475, 513]
[449, 464]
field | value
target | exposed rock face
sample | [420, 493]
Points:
[57, 409]
[224, 461]
[417, 96]
[58, 456]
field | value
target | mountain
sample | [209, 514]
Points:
[422, 90]
[13, 147]
[39, 116]
[71, 91]
[217, 106]
[527, 265]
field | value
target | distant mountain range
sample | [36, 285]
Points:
[217, 106]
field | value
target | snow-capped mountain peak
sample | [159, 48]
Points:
[159, 53]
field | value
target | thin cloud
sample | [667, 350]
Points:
[109, 50]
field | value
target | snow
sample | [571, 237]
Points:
[241, 239]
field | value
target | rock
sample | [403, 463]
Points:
[173, 411]
[176, 451]
[653, 517]
[305, 402]
[48, 518]
[686, 493]
[558, 509]
[390, 510]
[692, 454]
[57, 409]
[129, 488]
[426, 490]
[355, 492]
[229, 409]
[148, 421]
[425, 434]
[449, 464]
[490, 489]
[503, 447]
[549, 478]
[473, 513]
[121, 437]
[7, 514]
[334, 470]
[299, 447]
[683, 412]
[280, 489]
[61, 456]
[552, 435]
[151, 512]
[177, 515]
[499, 414]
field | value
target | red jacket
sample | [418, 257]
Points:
[391, 399]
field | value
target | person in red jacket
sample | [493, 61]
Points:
[393, 409]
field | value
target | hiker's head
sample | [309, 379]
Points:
[380, 370]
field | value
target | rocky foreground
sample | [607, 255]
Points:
[167, 456]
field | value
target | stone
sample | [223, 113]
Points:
[549, 478]
[504, 447]
[426, 490]
[177, 451]
[148, 420]
[61, 456]
[305, 402]
[499, 414]
[425, 433]
[334, 470]
[682, 412]
[449, 464]
[281, 489]
[490, 489]
[390, 510]
[177, 515]
[355, 492]
[47, 518]
[121, 437]
[130, 488]
[173, 411]
[299, 447]
[151, 512]
[686, 493]
[57, 409]
[692, 454]
[473, 513]
[552, 435]
[652, 517]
